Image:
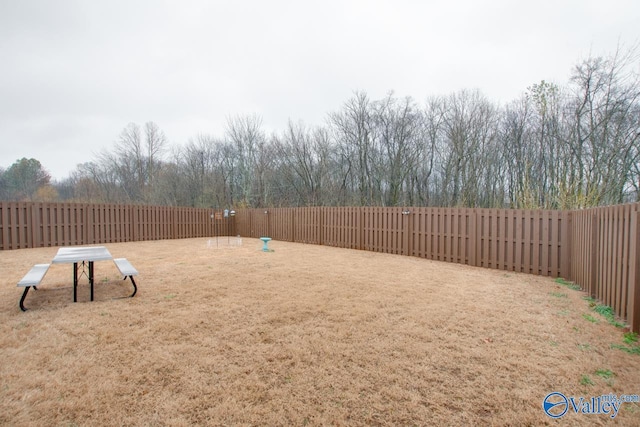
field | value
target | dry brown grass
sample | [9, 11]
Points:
[302, 335]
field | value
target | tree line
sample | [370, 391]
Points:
[555, 147]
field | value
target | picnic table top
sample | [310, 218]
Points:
[81, 253]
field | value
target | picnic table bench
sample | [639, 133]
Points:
[32, 278]
[127, 270]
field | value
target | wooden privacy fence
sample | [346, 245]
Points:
[32, 225]
[605, 257]
[597, 248]
[536, 242]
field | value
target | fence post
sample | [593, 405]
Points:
[360, 210]
[174, 221]
[595, 254]
[4, 224]
[473, 236]
[633, 301]
[322, 225]
[251, 222]
[268, 221]
[34, 236]
[409, 231]
[566, 258]
[292, 221]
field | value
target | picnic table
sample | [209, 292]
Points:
[83, 259]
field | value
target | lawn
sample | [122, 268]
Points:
[221, 333]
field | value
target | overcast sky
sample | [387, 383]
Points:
[73, 74]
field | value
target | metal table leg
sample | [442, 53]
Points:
[75, 282]
[24, 295]
[91, 278]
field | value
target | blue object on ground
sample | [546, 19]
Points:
[265, 248]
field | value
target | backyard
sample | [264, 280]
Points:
[222, 333]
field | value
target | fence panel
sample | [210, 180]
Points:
[584, 255]
[243, 222]
[605, 258]
[308, 225]
[255, 222]
[16, 225]
[341, 227]
[281, 224]
[535, 242]
[613, 264]
[382, 230]
[29, 225]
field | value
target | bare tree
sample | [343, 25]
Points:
[353, 131]
[99, 182]
[137, 160]
[469, 130]
[607, 94]
[128, 161]
[424, 188]
[302, 155]
[156, 143]
[554, 147]
[246, 136]
[515, 141]
[398, 132]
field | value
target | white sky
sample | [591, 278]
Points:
[73, 74]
